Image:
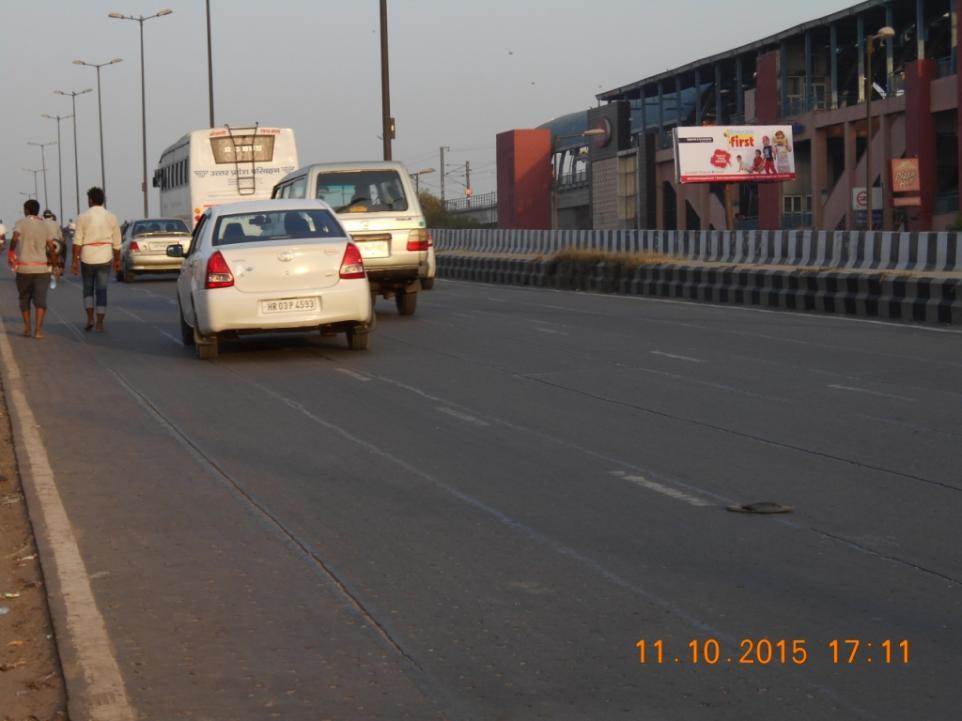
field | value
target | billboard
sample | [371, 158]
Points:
[734, 154]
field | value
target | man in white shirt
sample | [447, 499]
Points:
[96, 248]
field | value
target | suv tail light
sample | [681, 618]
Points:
[134, 246]
[419, 239]
[352, 265]
[218, 272]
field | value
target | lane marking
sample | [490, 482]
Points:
[354, 374]
[461, 416]
[96, 689]
[661, 488]
[174, 338]
[866, 391]
[551, 331]
[676, 357]
[130, 313]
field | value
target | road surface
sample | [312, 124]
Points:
[483, 515]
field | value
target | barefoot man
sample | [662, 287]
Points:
[96, 247]
[32, 240]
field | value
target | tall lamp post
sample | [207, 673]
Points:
[72, 94]
[100, 113]
[140, 20]
[34, 171]
[387, 122]
[210, 70]
[417, 178]
[884, 33]
[43, 166]
[58, 118]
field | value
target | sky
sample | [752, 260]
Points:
[461, 72]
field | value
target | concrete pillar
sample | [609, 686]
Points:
[766, 111]
[849, 172]
[885, 137]
[819, 169]
[920, 135]
[833, 61]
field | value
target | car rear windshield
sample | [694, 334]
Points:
[160, 226]
[276, 225]
[365, 191]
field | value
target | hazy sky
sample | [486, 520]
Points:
[461, 71]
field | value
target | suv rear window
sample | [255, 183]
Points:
[161, 225]
[364, 191]
[276, 225]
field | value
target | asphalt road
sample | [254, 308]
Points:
[481, 516]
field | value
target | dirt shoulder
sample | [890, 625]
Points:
[31, 682]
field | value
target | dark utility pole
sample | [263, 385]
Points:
[210, 69]
[467, 178]
[387, 122]
[444, 148]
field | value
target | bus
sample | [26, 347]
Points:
[222, 165]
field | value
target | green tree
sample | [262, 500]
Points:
[437, 216]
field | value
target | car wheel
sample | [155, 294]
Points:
[120, 276]
[186, 332]
[427, 283]
[128, 274]
[205, 346]
[406, 302]
[357, 339]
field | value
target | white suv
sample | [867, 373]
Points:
[377, 205]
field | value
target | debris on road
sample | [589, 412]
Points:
[761, 507]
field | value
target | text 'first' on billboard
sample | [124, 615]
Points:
[734, 154]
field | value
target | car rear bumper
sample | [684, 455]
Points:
[153, 262]
[227, 309]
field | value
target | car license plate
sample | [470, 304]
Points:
[374, 248]
[289, 305]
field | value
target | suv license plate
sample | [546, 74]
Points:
[374, 248]
[289, 305]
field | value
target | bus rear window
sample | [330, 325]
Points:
[365, 191]
[243, 149]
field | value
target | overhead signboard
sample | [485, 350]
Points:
[905, 175]
[734, 154]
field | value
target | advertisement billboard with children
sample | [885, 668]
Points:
[734, 154]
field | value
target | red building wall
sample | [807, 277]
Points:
[524, 179]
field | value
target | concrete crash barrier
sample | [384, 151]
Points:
[828, 249]
[846, 292]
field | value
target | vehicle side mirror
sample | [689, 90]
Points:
[175, 251]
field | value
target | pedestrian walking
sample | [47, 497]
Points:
[57, 269]
[96, 247]
[30, 248]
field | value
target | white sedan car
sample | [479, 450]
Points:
[271, 265]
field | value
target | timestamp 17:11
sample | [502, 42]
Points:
[849, 650]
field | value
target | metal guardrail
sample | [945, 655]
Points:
[478, 202]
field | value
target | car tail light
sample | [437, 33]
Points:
[352, 265]
[218, 272]
[419, 239]
[134, 246]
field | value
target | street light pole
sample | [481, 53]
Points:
[43, 167]
[36, 193]
[417, 178]
[140, 19]
[884, 33]
[387, 122]
[210, 69]
[100, 114]
[76, 166]
[58, 118]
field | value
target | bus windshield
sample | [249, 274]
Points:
[366, 191]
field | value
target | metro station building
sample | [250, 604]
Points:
[809, 77]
